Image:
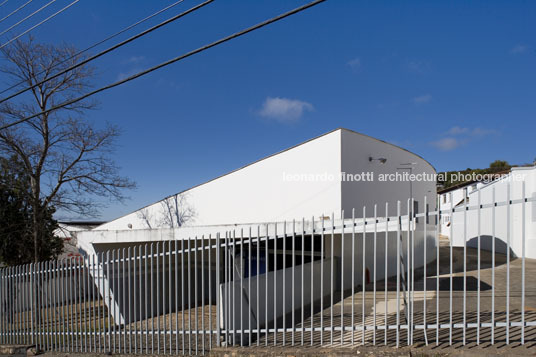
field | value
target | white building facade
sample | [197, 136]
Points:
[505, 224]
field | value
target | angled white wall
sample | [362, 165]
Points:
[356, 151]
[259, 192]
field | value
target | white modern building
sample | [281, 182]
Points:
[326, 178]
[502, 223]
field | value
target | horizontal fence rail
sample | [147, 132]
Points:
[388, 274]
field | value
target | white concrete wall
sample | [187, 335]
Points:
[456, 196]
[258, 192]
[243, 304]
[356, 151]
[501, 224]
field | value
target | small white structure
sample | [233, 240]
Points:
[326, 178]
[453, 197]
[504, 222]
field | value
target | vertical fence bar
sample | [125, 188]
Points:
[258, 281]
[408, 270]
[146, 310]
[438, 223]
[90, 312]
[103, 301]
[275, 284]
[21, 300]
[508, 202]
[183, 341]
[241, 277]
[165, 309]
[398, 237]
[322, 283]
[170, 295]
[523, 238]
[293, 263]
[158, 311]
[15, 306]
[163, 313]
[386, 266]
[119, 312]
[217, 292]
[125, 305]
[353, 277]
[250, 310]
[46, 293]
[2, 306]
[283, 292]
[135, 301]
[465, 199]
[478, 271]
[189, 296]
[175, 266]
[93, 303]
[142, 292]
[233, 290]
[109, 301]
[114, 283]
[61, 297]
[363, 281]
[129, 293]
[59, 304]
[312, 277]
[303, 282]
[332, 278]
[450, 265]
[425, 232]
[374, 248]
[342, 278]
[209, 252]
[266, 259]
[195, 296]
[412, 300]
[27, 304]
[227, 291]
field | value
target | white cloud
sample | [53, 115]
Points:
[135, 59]
[425, 98]
[458, 136]
[519, 49]
[477, 131]
[456, 130]
[355, 64]
[447, 144]
[284, 109]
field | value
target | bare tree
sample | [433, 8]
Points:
[67, 158]
[145, 215]
[176, 211]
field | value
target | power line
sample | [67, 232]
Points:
[40, 23]
[173, 60]
[98, 43]
[16, 10]
[3, 2]
[130, 39]
[26, 18]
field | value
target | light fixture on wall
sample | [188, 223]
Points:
[381, 160]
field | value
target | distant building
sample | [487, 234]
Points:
[493, 226]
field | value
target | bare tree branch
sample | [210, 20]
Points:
[67, 158]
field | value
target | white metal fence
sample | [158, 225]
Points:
[389, 279]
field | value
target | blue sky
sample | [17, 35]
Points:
[454, 82]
